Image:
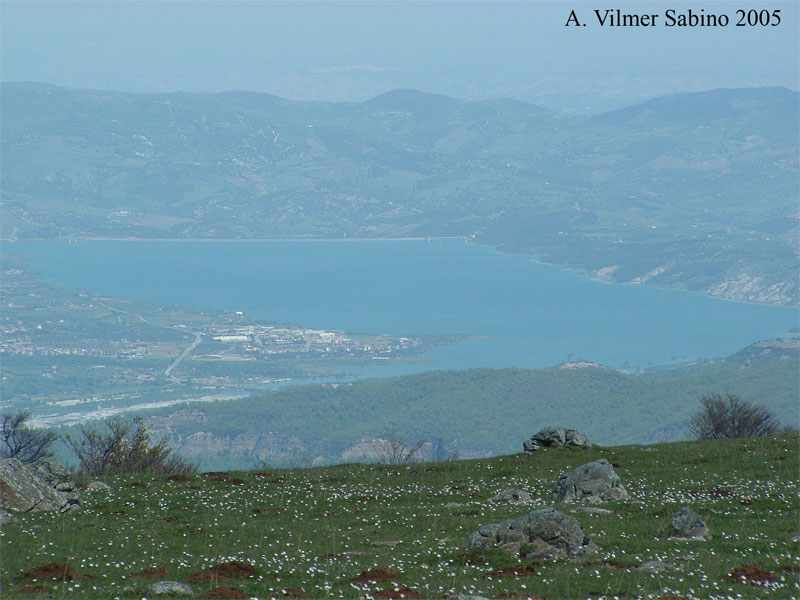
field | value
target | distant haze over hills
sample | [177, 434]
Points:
[351, 51]
[695, 191]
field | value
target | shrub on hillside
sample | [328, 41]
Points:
[125, 448]
[731, 417]
[391, 449]
[21, 441]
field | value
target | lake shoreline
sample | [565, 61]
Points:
[589, 274]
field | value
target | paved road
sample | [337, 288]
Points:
[184, 354]
[197, 339]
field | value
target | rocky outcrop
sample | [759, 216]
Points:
[261, 446]
[593, 482]
[46, 486]
[542, 532]
[511, 496]
[60, 479]
[556, 437]
[169, 588]
[98, 486]
[689, 525]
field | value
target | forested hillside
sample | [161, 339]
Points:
[694, 191]
[477, 412]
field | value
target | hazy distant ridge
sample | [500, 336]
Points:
[694, 191]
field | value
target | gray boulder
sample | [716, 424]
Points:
[543, 532]
[556, 437]
[98, 486]
[512, 496]
[576, 438]
[52, 472]
[593, 482]
[6, 517]
[169, 588]
[689, 525]
[60, 478]
[29, 488]
[592, 510]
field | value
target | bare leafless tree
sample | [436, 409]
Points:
[731, 417]
[125, 448]
[443, 451]
[391, 449]
[21, 441]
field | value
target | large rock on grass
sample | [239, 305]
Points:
[512, 496]
[170, 588]
[689, 525]
[593, 482]
[28, 488]
[542, 532]
[556, 437]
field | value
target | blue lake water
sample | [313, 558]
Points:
[534, 315]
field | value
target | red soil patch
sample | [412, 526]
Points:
[379, 574]
[470, 556]
[224, 592]
[153, 573]
[750, 502]
[58, 570]
[35, 589]
[230, 570]
[516, 570]
[790, 568]
[403, 592]
[293, 593]
[178, 478]
[751, 574]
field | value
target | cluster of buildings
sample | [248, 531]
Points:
[271, 340]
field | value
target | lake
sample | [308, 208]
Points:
[533, 315]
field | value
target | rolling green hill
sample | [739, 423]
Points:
[695, 191]
[477, 412]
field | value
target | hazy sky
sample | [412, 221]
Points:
[356, 50]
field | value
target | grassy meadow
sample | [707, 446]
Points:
[392, 531]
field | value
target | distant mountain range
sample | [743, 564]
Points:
[696, 191]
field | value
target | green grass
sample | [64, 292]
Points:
[312, 531]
